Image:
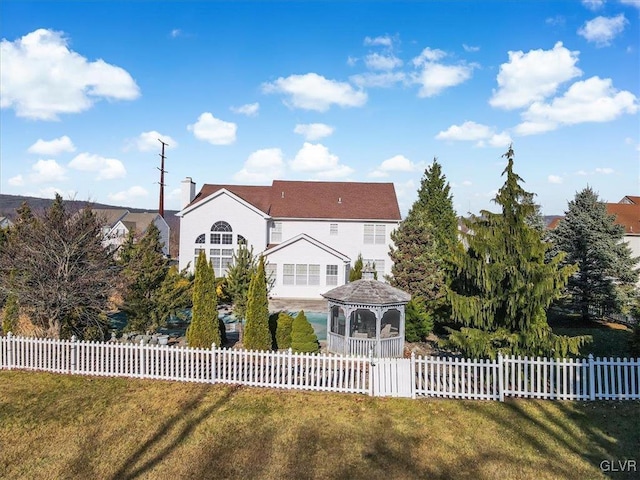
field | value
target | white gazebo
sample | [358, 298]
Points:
[366, 316]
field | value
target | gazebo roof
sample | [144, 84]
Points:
[368, 292]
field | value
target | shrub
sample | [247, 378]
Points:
[303, 337]
[283, 330]
[419, 323]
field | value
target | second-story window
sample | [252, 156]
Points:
[374, 234]
[333, 229]
[276, 232]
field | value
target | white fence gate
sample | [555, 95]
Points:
[392, 377]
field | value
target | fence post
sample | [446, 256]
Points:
[592, 378]
[289, 367]
[371, 376]
[9, 351]
[213, 363]
[141, 368]
[74, 354]
[500, 377]
[413, 374]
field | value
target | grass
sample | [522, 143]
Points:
[59, 426]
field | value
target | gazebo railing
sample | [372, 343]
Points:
[385, 347]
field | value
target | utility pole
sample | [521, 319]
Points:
[162, 172]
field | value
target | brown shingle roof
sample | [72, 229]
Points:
[631, 199]
[298, 199]
[627, 215]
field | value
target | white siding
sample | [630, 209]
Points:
[349, 240]
[243, 220]
[299, 253]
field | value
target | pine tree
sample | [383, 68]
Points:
[418, 321]
[303, 337]
[239, 274]
[283, 331]
[422, 243]
[594, 242]
[502, 284]
[144, 274]
[356, 272]
[256, 332]
[204, 328]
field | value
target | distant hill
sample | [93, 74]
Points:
[9, 204]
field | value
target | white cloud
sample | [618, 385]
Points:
[397, 163]
[52, 147]
[382, 41]
[376, 61]
[470, 48]
[129, 194]
[475, 132]
[50, 192]
[558, 20]
[213, 130]
[633, 3]
[107, 168]
[554, 179]
[434, 77]
[592, 100]
[351, 61]
[380, 80]
[314, 131]
[148, 141]
[605, 171]
[428, 55]
[41, 77]
[467, 183]
[315, 92]
[317, 159]
[176, 32]
[533, 76]
[249, 109]
[602, 30]
[593, 4]
[47, 171]
[16, 181]
[261, 166]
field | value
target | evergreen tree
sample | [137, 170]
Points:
[283, 331]
[502, 284]
[594, 242]
[356, 272]
[10, 314]
[418, 321]
[303, 337]
[256, 333]
[204, 327]
[61, 274]
[174, 295]
[238, 277]
[423, 242]
[144, 274]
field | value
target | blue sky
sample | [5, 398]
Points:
[248, 92]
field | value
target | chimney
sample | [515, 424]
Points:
[188, 191]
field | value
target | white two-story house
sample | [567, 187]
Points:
[310, 233]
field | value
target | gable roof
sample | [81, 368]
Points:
[627, 215]
[630, 199]
[317, 200]
[110, 216]
[304, 237]
[368, 292]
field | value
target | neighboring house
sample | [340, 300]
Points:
[627, 213]
[309, 232]
[117, 223]
[5, 222]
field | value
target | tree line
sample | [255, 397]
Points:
[487, 281]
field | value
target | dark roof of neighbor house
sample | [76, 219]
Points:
[110, 216]
[139, 222]
[307, 199]
[368, 292]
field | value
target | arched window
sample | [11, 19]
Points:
[200, 238]
[221, 238]
[242, 240]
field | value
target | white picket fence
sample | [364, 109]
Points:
[559, 379]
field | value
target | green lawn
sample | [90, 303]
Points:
[59, 426]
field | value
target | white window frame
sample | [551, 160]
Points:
[331, 277]
[333, 229]
[276, 232]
